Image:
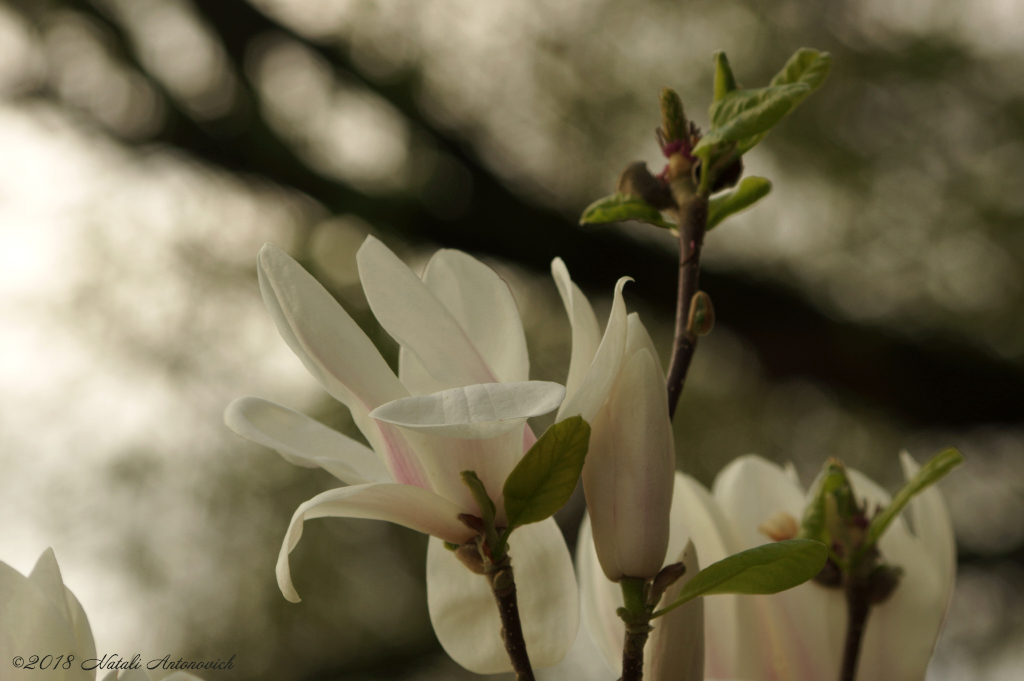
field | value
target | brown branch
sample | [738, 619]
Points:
[503, 586]
[858, 607]
[694, 218]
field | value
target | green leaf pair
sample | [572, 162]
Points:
[766, 569]
[621, 207]
[750, 191]
[744, 117]
[540, 484]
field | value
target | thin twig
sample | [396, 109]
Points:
[691, 237]
[503, 586]
[858, 607]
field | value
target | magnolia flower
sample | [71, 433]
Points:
[140, 675]
[40, 616]
[617, 384]
[459, 402]
[798, 635]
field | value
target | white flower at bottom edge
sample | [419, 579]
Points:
[140, 675]
[39, 616]
[460, 402]
[796, 635]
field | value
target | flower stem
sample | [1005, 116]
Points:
[636, 615]
[503, 586]
[858, 607]
[692, 224]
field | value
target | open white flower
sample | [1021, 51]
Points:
[460, 402]
[796, 635]
[617, 384]
[40, 616]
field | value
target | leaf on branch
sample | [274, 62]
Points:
[725, 82]
[765, 569]
[622, 207]
[750, 191]
[743, 114]
[930, 473]
[807, 66]
[546, 476]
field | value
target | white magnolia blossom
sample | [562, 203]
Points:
[617, 384]
[40, 616]
[796, 635]
[459, 402]
[142, 675]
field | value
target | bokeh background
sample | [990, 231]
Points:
[148, 148]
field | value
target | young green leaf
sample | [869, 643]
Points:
[750, 191]
[747, 113]
[725, 82]
[765, 569]
[621, 207]
[546, 476]
[930, 473]
[806, 66]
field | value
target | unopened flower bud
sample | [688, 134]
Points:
[702, 315]
[673, 119]
[637, 180]
[668, 576]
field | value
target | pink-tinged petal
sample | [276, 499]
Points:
[305, 442]
[697, 517]
[599, 600]
[675, 651]
[600, 376]
[421, 324]
[478, 428]
[786, 635]
[628, 475]
[465, 615]
[337, 353]
[902, 631]
[406, 505]
[586, 335]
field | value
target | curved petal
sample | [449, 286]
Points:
[788, 635]
[304, 441]
[586, 335]
[337, 353]
[599, 600]
[478, 428]
[902, 631]
[46, 575]
[414, 317]
[465, 616]
[474, 411]
[932, 525]
[406, 505]
[676, 649]
[638, 339]
[601, 374]
[628, 475]
[697, 517]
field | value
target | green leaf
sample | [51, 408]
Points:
[747, 113]
[725, 82]
[930, 473]
[806, 66]
[621, 207]
[750, 191]
[765, 569]
[546, 476]
[815, 521]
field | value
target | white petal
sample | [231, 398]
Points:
[790, 633]
[406, 505]
[478, 428]
[675, 651]
[337, 353]
[697, 517]
[474, 411]
[482, 304]
[414, 317]
[586, 335]
[602, 372]
[628, 476]
[304, 441]
[36, 616]
[599, 600]
[932, 525]
[465, 615]
[638, 339]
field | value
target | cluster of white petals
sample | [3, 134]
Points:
[796, 635]
[459, 402]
